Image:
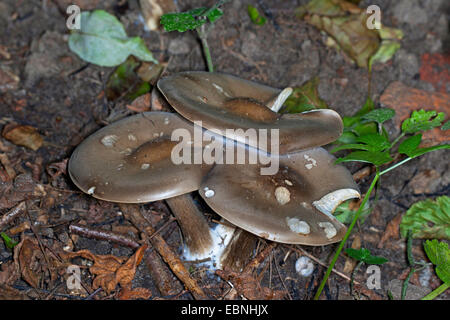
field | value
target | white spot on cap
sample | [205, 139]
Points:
[209, 193]
[282, 195]
[298, 226]
[312, 162]
[166, 121]
[91, 190]
[126, 152]
[289, 183]
[328, 227]
[109, 140]
[145, 166]
[132, 137]
[304, 266]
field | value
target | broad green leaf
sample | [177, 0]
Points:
[189, 20]
[102, 40]
[376, 158]
[254, 15]
[182, 21]
[351, 146]
[214, 15]
[439, 255]
[376, 142]
[446, 126]
[410, 147]
[428, 219]
[9, 243]
[304, 98]
[422, 121]
[379, 115]
[364, 255]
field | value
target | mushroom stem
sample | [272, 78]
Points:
[276, 103]
[195, 229]
[238, 251]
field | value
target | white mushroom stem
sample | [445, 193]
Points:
[329, 202]
[276, 103]
[196, 232]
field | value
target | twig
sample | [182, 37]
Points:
[256, 261]
[97, 234]
[133, 214]
[12, 214]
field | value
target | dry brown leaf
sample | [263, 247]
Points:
[29, 261]
[111, 270]
[141, 103]
[127, 293]
[350, 263]
[249, 287]
[23, 135]
[9, 273]
[10, 293]
[392, 230]
[22, 188]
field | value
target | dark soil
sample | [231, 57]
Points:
[63, 97]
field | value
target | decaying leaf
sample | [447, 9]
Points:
[346, 23]
[428, 219]
[392, 230]
[111, 270]
[23, 135]
[22, 188]
[246, 285]
[134, 294]
[304, 98]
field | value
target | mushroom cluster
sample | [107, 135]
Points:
[131, 161]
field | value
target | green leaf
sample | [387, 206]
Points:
[102, 40]
[9, 243]
[410, 147]
[428, 219]
[364, 255]
[376, 158]
[304, 98]
[182, 21]
[446, 126]
[375, 141]
[214, 15]
[385, 52]
[422, 121]
[439, 255]
[379, 115]
[189, 20]
[124, 81]
[351, 146]
[254, 15]
[345, 212]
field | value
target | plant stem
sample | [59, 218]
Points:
[433, 294]
[397, 139]
[360, 263]
[347, 234]
[395, 165]
[201, 31]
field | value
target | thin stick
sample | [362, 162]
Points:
[92, 233]
[133, 214]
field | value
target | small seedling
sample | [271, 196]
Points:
[195, 19]
[362, 256]
[255, 16]
[377, 148]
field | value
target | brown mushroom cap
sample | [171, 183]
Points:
[223, 102]
[129, 161]
[272, 206]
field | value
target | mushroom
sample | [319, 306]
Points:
[223, 102]
[129, 161]
[294, 205]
